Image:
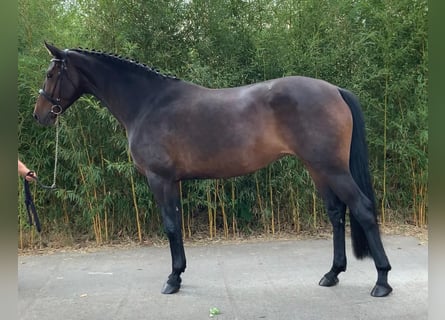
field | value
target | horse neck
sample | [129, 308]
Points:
[124, 89]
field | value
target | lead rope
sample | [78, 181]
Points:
[30, 207]
[53, 186]
[29, 202]
[56, 156]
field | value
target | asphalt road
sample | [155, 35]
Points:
[261, 280]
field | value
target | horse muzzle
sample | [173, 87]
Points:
[49, 118]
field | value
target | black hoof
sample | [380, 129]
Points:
[328, 281]
[381, 290]
[170, 288]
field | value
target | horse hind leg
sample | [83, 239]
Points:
[336, 210]
[362, 210]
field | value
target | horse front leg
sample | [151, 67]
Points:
[167, 197]
[171, 216]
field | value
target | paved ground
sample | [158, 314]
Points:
[262, 280]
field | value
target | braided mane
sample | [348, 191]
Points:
[124, 60]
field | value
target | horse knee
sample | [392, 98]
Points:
[171, 228]
[171, 231]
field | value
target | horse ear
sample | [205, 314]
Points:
[52, 50]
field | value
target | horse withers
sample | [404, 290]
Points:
[179, 130]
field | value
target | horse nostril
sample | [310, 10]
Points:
[35, 116]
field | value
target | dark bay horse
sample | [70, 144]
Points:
[178, 130]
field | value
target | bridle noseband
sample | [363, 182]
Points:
[56, 108]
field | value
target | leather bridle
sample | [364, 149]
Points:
[56, 107]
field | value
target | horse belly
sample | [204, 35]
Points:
[238, 160]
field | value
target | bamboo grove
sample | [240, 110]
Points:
[375, 48]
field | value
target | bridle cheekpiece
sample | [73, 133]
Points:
[56, 108]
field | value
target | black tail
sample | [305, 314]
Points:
[359, 166]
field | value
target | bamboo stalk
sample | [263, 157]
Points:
[234, 228]
[182, 209]
[272, 218]
[215, 206]
[105, 194]
[225, 225]
[189, 231]
[420, 208]
[189, 222]
[224, 216]
[90, 162]
[385, 121]
[278, 216]
[209, 211]
[260, 203]
[99, 227]
[32, 237]
[136, 208]
[65, 212]
[82, 177]
[419, 196]
[295, 211]
[135, 203]
[105, 216]
[424, 193]
[415, 193]
[314, 209]
[93, 219]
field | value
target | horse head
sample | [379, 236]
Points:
[60, 88]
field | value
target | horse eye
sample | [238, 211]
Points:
[49, 75]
